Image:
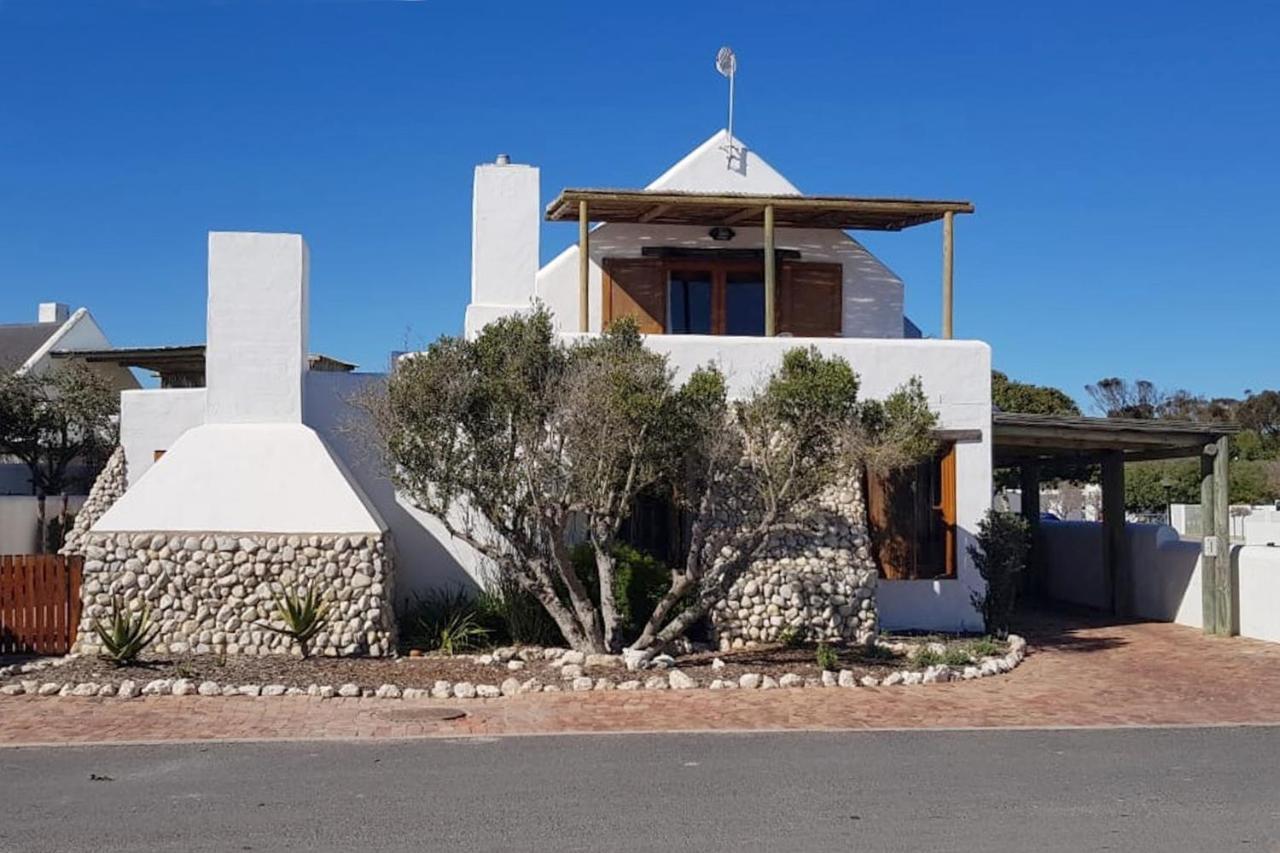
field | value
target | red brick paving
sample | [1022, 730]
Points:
[1078, 673]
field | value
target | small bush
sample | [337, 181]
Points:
[1000, 556]
[304, 616]
[791, 637]
[640, 581]
[826, 658]
[124, 635]
[957, 656]
[925, 656]
[874, 651]
[984, 647]
[512, 615]
[444, 620]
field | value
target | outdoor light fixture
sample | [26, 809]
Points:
[721, 233]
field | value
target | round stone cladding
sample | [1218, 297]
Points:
[819, 584]
[214, 593]
[107, 488]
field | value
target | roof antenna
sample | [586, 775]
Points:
[727, 65]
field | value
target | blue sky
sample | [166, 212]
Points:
[1122, 157]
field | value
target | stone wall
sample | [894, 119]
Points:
[107, 488]
[819, 584]
[212, 593]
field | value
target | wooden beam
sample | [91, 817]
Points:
[770, 275]
[584, 267]
[745, 213]
[1219, 600]
[653, 212]
[1115, 545]
[1029, 480]
[948, 252]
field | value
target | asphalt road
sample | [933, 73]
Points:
[1129, 790]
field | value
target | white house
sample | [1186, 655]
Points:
[258, 472]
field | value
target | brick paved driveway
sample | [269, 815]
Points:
[1080, 672]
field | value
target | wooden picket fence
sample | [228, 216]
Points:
[39, 603]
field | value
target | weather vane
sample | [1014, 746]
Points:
[727, 65]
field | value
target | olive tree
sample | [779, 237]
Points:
[521, 444]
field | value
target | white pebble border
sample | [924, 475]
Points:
[570, 664]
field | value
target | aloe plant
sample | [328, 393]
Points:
[123, 634]
[304, 616]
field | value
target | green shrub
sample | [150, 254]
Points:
[445, 620]
[1000, 555]
[925, 656]
[512, 615]
[874, 651]
[640, 580]
[957, 656]
[984, 647]
[304, 616]
[826, 658]
[124, 635]
[791, 637]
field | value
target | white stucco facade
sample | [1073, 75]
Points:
[152, 419]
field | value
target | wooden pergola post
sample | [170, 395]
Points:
[1218, 597]
[948, 261]
[770, 275]
[1029, 475]
[1115, 545]
[584, 268]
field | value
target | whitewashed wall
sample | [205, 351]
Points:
[152, 419]
[1166, 575]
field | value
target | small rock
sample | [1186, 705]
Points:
[912, 678]
[230, 690]
[415, 693]
[655, 682]
[603, 684]
[87, 688]
[828, 678]
[790, 680]
[574, 657]
[250, 689]
[182, 687]
[388, 691]
[869, 681]
[582, 683]
[349, 690]
[464, 690]
[602, 660]
[12, 690]
[485, 660]
[515, 665]
[717, 664]
[209, 688]
[441, 690]
[553, 653]
[129, 689]
[749, 681]
[892, 678]
[768, 683]
[846, 678]
[488, 691]
[274, 690]
[326, 691]
[158, 687]
[107, 690]
[569, 671]
[509, 687]
[532, 685]
[634, 659]
[680, 681]
[49, 688]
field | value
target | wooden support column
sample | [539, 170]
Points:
[1218, 594]
[770, 275]
[1116, 565]
[948, 259]
[1029, 475]
[584, 268]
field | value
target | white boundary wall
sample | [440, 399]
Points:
[1166, 575]
[18, 519]
[152, 420]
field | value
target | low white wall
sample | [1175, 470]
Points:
[152, 420]
[1166, 575]
[18, 515]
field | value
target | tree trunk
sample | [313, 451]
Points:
[609, 615]
[40, 523]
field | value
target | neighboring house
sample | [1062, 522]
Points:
[266, 448]
[31, 348]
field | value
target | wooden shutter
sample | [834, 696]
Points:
[636, 287]
[911, 516]
[811, 299]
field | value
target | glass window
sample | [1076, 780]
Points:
[689, 303]
[744, 304]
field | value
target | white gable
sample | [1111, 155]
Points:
[708, 168]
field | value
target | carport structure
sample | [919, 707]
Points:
[1031, 443]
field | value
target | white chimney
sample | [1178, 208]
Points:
[53, 312]
[253, 466]
[505, 220]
